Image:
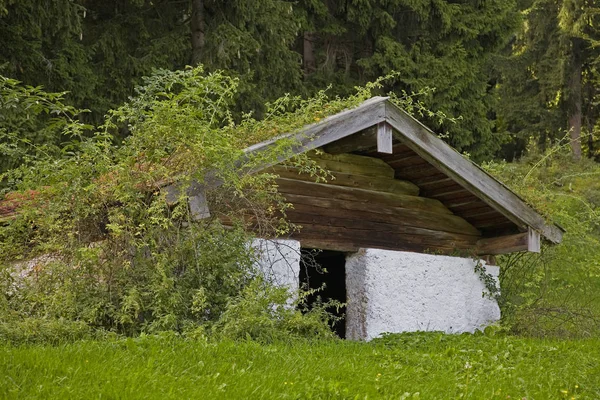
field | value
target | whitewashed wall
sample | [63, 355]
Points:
[279, 261]
[392, 291]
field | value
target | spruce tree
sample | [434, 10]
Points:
[548, 81]
[437, 44]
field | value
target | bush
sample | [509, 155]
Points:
[99, 241]
[39, 330]
[557, 292]
[266, 314]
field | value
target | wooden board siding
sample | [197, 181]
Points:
[369, 210]
[433, 183]
[425, 143]
[421, 175]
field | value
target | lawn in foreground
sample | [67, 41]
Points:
[426, 366]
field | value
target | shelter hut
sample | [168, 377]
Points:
[406, 228]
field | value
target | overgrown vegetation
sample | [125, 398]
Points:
[100, 248]
[99, 242]
[557, 292]
[98, 239]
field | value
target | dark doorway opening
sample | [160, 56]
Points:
[325, 270]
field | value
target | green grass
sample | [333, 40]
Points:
[426, 366]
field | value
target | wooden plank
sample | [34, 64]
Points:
[451, 196]
[327, 131]
[417, 172]
[503, 244]
[360, 141]
[533, 241]
[358, 181]
[482, 212]
[469, 206]
[401, 162]
[369, 238]
[424, 142]
[345, 246]
[443, 182]
[384, 138]
[413, 233]
[396, 216]
[466, 202]
[374, 198]
[324, 244]
[447, 190]
[428, 179]
[354, 164]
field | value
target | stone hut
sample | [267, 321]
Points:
[405, 229]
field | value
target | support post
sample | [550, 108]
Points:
[384, 138]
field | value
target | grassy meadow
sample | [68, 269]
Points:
[407, 366]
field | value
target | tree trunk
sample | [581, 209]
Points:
[308, 54]
[197, 27]
[575, 114]
[590, 131]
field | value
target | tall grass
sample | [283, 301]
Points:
[427, 366]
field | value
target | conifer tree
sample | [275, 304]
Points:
[438, 44]
[548, 81]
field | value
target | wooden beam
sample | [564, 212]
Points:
[384, 138]
[425, 143]
[358, 181]
[362, 237]
[533, 241]
[360, 141]
[371, 197]
[327, 131]
[354, 164]
[508, 244]
[334, 245]
[327, 208]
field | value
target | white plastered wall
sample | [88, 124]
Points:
[279, 262]
[393, 291]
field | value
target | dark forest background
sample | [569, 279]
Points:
[520, 74]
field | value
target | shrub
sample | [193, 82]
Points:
[98, 240]
[558, 291]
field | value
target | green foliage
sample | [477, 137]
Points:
[97, 241]
[443, 45]
[409, 366]
[33, 124]
[266, 314]
[98, 51]
[557, 292]
[112, 252]
[550, 76]
[43, 330]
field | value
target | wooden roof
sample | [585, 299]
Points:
[380, 130]
[398, 186]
